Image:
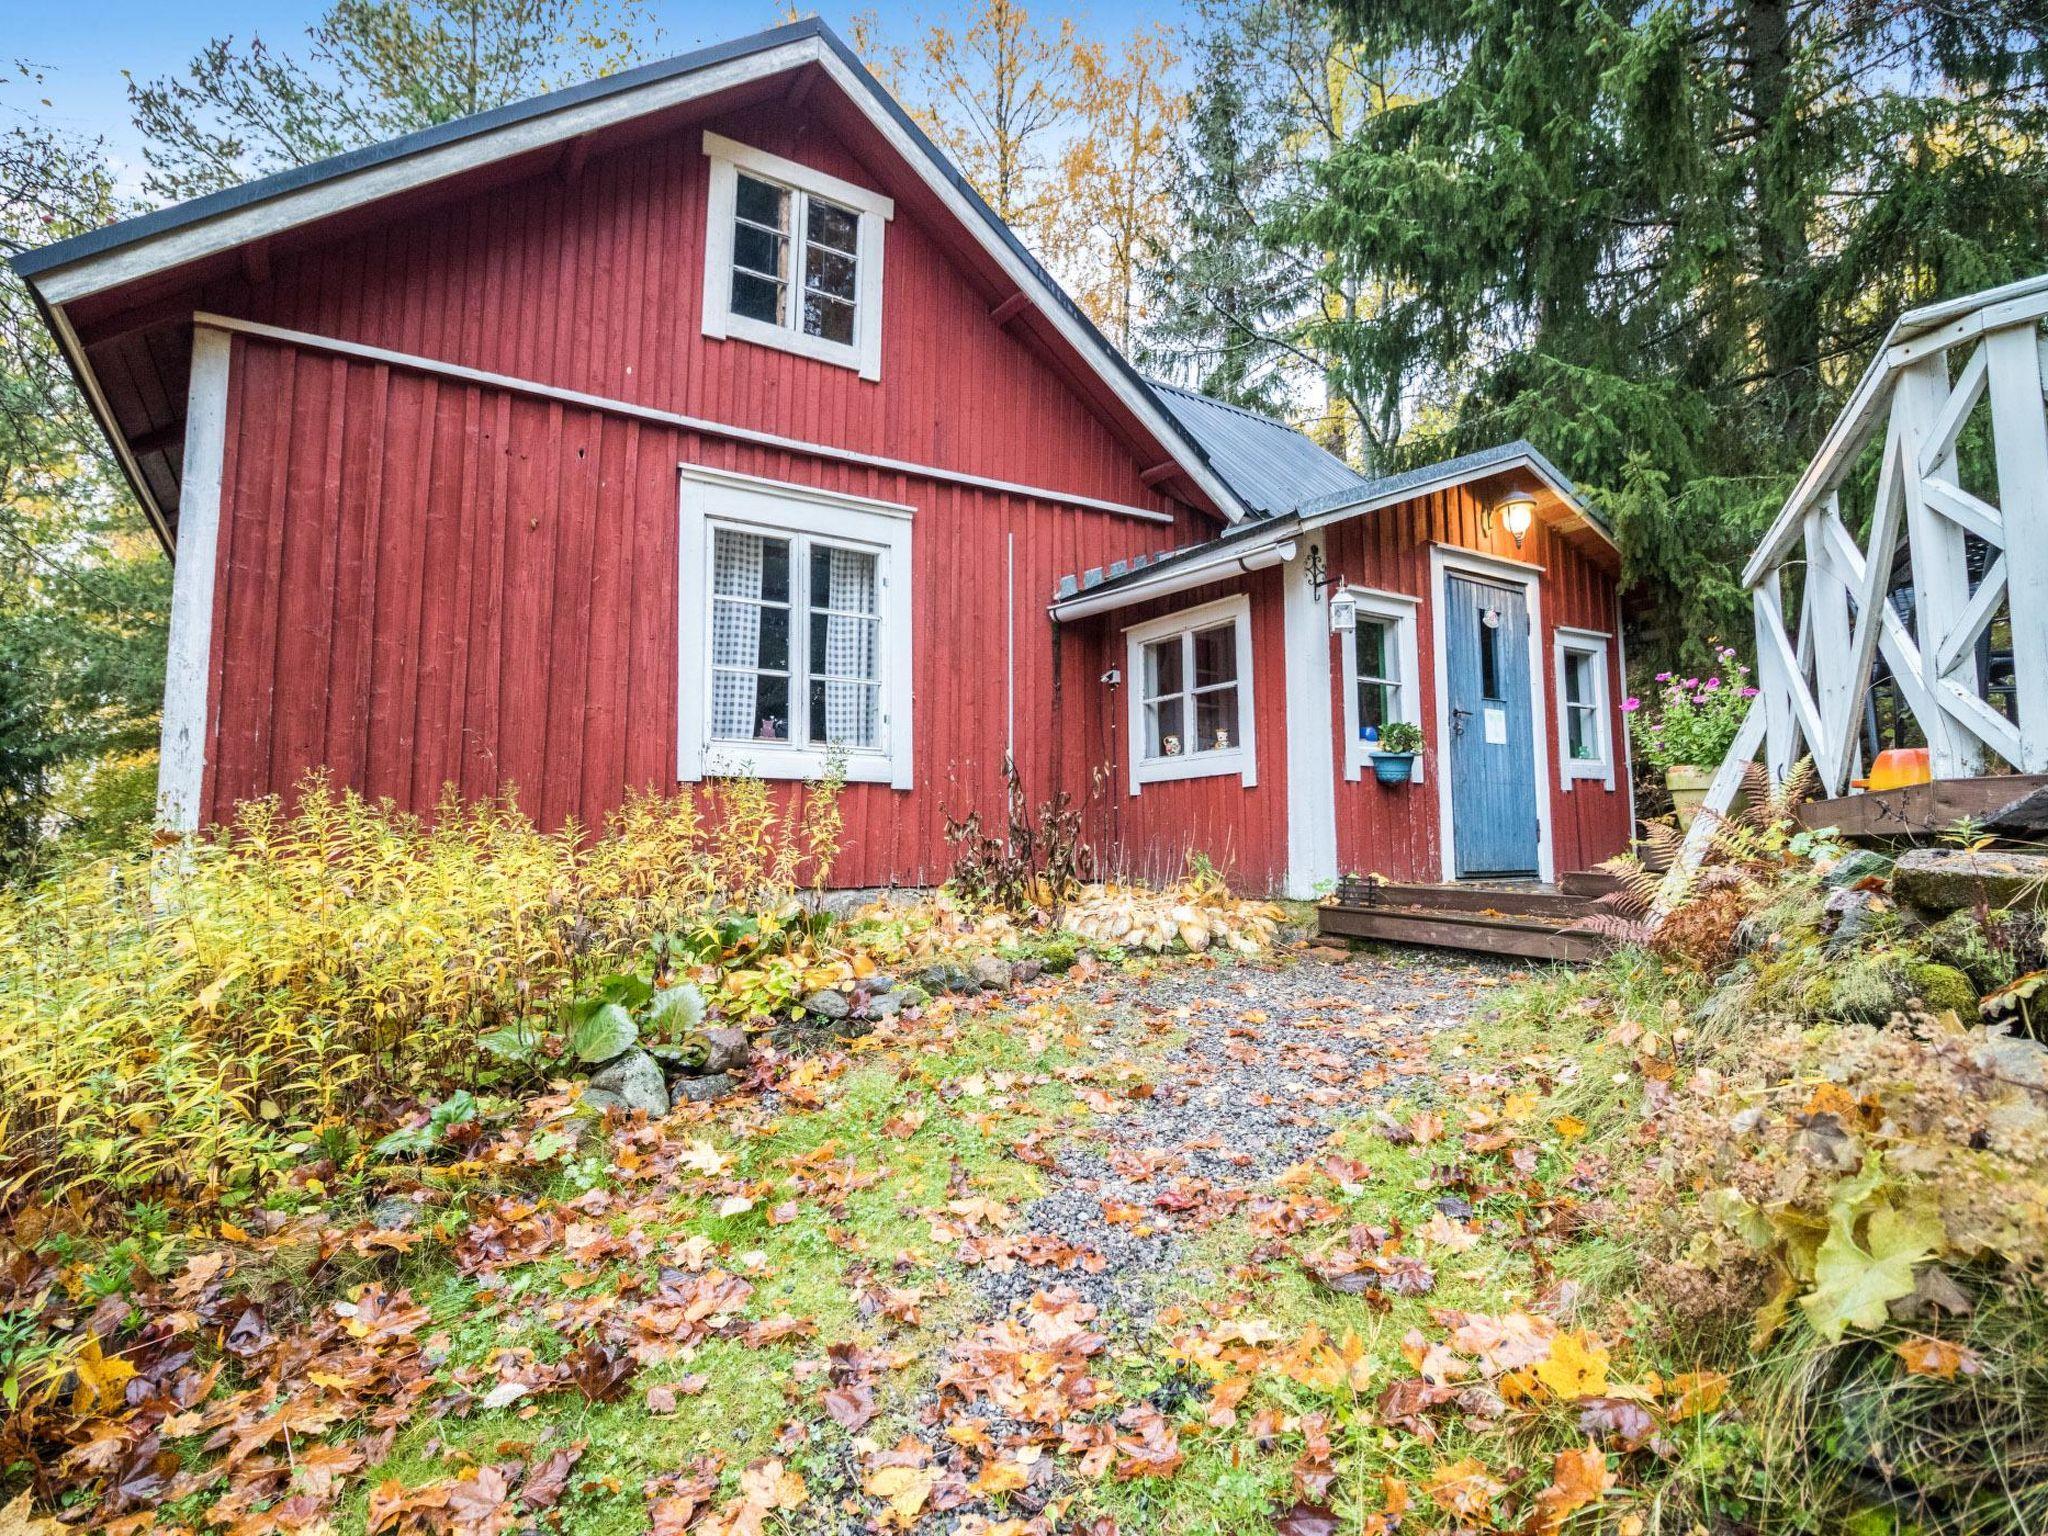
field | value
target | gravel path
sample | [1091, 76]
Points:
[1269, 1060]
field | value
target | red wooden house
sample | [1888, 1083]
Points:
[702, 420]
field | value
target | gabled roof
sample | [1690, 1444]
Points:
[1273, 467]
[158, 242]
[1265, 540]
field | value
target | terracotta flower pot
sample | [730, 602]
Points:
[1688, 788]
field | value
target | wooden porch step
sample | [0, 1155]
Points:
[1531, 936]
[1513, 900]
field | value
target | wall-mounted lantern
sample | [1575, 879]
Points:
[1515, 512]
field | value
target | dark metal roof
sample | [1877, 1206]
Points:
[128, 231]
[1272, 467]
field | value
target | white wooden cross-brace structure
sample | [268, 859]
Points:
[1941, 368]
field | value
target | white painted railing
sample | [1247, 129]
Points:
[1956, 391]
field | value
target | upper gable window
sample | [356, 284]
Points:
[794, 258]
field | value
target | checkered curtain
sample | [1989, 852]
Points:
[735, 635]
[850, 705]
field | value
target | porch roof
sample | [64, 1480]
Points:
[1269, 540]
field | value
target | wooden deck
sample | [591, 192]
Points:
[1520, 918]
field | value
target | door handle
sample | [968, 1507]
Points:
[1458, 719]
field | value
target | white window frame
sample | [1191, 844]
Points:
[714, 498]
[728, 158]
[1595, 644]
[1401, 611]
[1242, 759]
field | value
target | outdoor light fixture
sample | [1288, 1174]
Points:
[1343, 613]
[1515, 513]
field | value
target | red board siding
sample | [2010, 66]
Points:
[1394, 831]
[598, 287]
[1243, 831]
[425, 583]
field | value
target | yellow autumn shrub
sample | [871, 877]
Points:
[181, 1020]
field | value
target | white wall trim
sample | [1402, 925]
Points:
[1444, 561]
[728, 158]
[188, 667]
[699, 424]
[1400, 609]
[1626, 742]
[1311, 751]
[1241, 759]
[1599, 645]
[713, 499]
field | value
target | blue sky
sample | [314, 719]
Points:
[82, 50]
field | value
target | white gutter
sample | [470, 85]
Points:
[1179, 576]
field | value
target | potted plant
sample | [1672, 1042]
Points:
[1690, 726]
[1393, 757]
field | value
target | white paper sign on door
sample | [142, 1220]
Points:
[1496, 727]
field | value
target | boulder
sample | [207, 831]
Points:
[632, 1081]
[936, 979]
[702, 1090]
[1948, 879]
[1850, 911]
[726, 1050]
[827, 1004]
[1025, 972]
[991, 973]
[887, 1005]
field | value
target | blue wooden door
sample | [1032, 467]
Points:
[1493, 779]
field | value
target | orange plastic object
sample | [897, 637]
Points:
[1895, 768]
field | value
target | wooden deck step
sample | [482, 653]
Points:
[1531, 936]
[1516, 900]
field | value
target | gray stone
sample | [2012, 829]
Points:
[598, 1101]
[1857, 864]
[1289, 934]
[702, 1090]
[887, 1006]
[1948, 879]
[395, 1213]
[1850, 911]
[879, 984]
[827, 1004]
[991, 973]
[635, 1080]
[936, 979]
[1025, 972]
[726, 1050]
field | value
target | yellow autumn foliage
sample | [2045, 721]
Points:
[174, 1021]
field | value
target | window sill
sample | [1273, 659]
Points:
[1201, 765]
[1577, 770]
[767, 760]
[783, 339]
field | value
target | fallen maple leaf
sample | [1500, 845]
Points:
[851, 1406]
[903, 1489]
[1576, 1367]
[1306, 1519]
[1578, 1478]
[1939, 1358]
[1465, 1489]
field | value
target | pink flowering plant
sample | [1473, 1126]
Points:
[1693, 720]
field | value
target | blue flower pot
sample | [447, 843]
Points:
[1393, 767]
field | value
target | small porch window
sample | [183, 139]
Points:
[1381, 673]
[1585, 720]
[1190, 679]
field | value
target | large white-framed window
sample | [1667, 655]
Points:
[1382, 672]
[794, 257]
[1189, 678]
[796, 632]
[1585, 718]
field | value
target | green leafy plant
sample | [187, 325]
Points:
[1694, 720]
[628, 1010]
[1400, 737]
